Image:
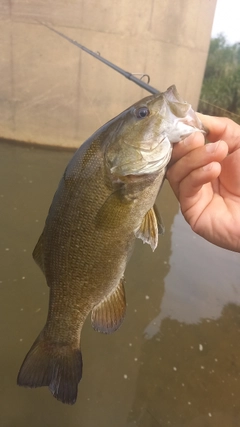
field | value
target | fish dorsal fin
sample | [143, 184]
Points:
[108, 315]
[150, 227]
[38, 253]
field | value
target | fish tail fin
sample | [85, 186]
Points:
[56, 365]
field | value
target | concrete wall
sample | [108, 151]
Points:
[52, 93]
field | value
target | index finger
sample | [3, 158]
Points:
[222, 128]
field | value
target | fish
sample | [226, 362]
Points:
[104, 201]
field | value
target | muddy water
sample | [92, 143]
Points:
[176, 359]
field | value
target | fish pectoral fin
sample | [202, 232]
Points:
[117, 203]
[108, 315]
[38, 253]
[150, 227]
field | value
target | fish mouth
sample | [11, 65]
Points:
[180, 116]
[182, 129]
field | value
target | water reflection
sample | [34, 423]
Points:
[176, 330]
[202, 278]
[196, 377]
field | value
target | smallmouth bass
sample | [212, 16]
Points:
[105, 200]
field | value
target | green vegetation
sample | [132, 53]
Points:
[220, 94]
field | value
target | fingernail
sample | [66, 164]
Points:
[207, 167]
[212, 146]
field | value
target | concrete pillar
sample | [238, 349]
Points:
[52, 93]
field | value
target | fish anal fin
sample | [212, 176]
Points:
[56, 365]
[161, 228]
[150, 227]
[38, 253]
[108, 315]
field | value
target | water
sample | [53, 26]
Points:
[176, 359]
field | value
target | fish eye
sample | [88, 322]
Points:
[142, 112]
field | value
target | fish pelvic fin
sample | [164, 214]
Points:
[56, 365]
[108, 315]
[150, 227]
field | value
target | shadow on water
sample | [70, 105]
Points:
[175, 360]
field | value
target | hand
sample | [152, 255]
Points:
[206, 181]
